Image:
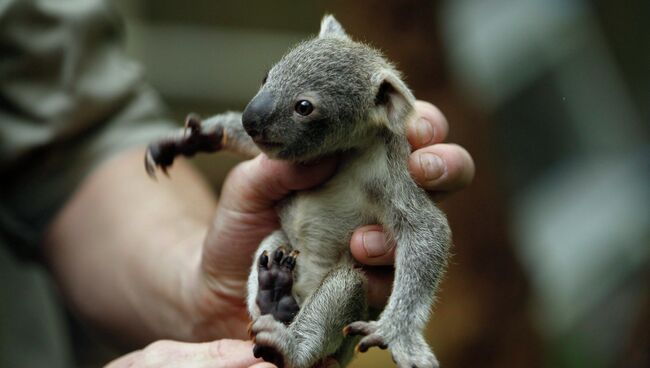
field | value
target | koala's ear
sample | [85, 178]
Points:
[394, 102]
[330, 27]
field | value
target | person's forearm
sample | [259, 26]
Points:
[124, 247]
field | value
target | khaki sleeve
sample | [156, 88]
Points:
[69, 99]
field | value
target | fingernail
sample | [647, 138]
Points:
[375, 243]
[424, 131]
[431, 165]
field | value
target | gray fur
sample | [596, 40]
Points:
[235, 138]
[361, 109]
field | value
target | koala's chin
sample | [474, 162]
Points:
[280, 154]
[278, 151]
[299, 157]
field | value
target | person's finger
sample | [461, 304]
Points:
[380, 283]
[370, 246]
[125, 361]
[428, 127]
[256, 185]
[223, 353]
[263, 365]
[442, 167]
[231, 353]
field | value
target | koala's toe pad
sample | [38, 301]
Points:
[275, 280]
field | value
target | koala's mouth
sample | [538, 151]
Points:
[265, 144]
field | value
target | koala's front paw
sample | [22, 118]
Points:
[272, 340]
[191, 140]
[275, 280]
[408, 351]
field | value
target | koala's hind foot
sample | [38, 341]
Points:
[407, 351]
[275, 280]
[272, 339]
[194, 138]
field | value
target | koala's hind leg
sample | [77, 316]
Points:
[269, 287]
[274, 298]
[223, 131]
[315, 332]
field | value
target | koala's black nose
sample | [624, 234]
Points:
[257, 112]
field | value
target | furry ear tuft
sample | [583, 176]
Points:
[394, 102]
[330, 27]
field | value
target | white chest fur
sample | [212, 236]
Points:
[319, 222]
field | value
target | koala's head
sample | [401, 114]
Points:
[326, 95]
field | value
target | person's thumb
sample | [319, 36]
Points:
[256, 185]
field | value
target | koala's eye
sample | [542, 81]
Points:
[266, 76]
[304, 107]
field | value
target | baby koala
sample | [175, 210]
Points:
[306, 295]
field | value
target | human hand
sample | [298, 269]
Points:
[216, 354]
[246, 215]
[440, 168]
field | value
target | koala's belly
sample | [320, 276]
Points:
[320, 224]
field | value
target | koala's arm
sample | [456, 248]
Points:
[422, 235]
[220, 132]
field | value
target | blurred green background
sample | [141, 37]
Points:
[551, 262]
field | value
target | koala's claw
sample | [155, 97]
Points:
[193, 139]
[193, 122]
[160, 154]
[370, 341]
[275, 280]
